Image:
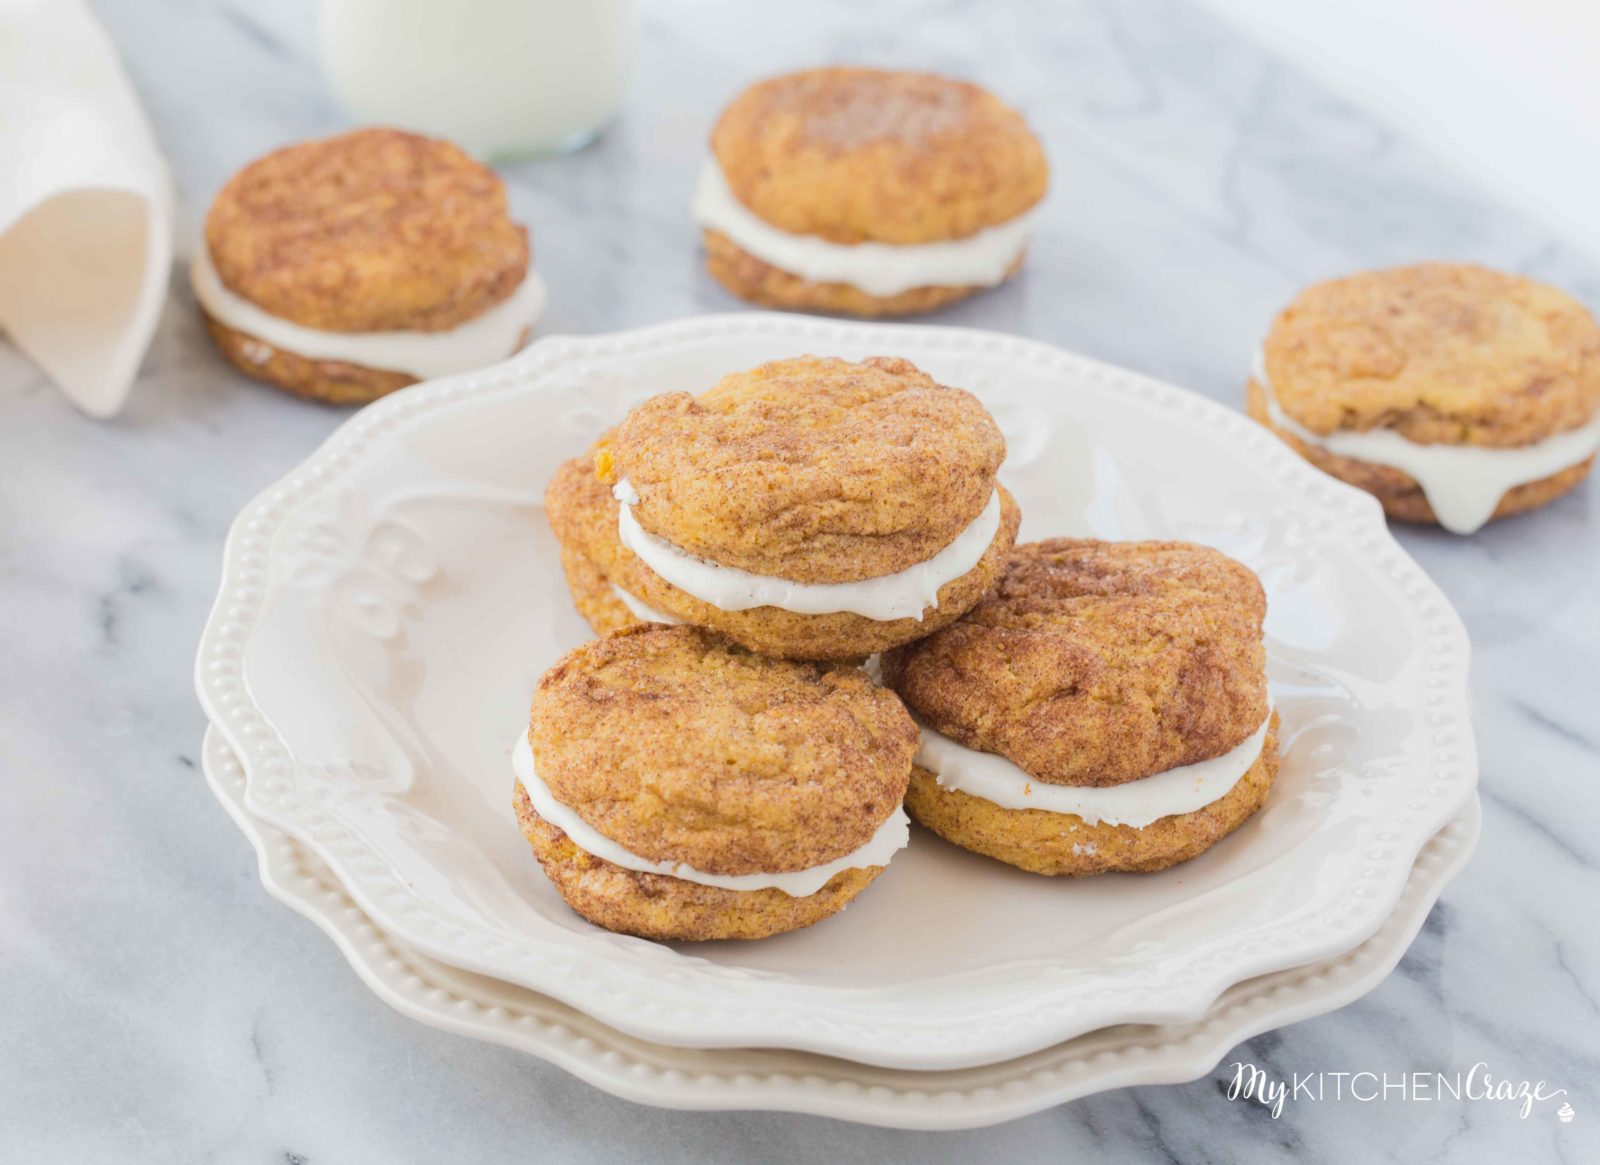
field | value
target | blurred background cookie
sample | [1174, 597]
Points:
[1452, 393]
[675, 786]
[867, 192]
[1105, 708]
[346, 268]
[809, 509]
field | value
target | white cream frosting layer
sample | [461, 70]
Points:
[641, 610]
[1136, 803]
[1463, 483]
[906, 594]
[478, 342]
[892, 837]
[881, 269]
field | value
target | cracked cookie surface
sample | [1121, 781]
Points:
[1442, 353]
[856, 155]
[376, 230]
[814, 469]
[1098, 663]
[681, 746]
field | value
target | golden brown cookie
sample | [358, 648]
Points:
[1095, 665]
[661, 907]
[1439, 354]
[679, 746]
[808, 470]
[852, 155]
[761, 283]
[1065, 844]
[682, 746]
[373, 231]
[583, 515]
[814, 469]
[335, 382]
[376, 230]
[1397, 491]
[857, 155]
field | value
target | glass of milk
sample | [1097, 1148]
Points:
[505, 79]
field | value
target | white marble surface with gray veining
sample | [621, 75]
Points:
[156, 1005]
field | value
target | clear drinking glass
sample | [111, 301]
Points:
[505, 79]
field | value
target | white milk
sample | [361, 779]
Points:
[501, 78]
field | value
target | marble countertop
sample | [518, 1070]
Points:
[156, 1005]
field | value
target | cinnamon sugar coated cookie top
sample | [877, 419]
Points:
[855, 155]
[1440, 352]
[812, 469]
[1098, 663]
[680, 746]
[371, 231]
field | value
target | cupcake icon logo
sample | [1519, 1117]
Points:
[1564, 1114]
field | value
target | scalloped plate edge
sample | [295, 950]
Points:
[804, 1082]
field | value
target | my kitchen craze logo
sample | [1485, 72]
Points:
[1476, 1084]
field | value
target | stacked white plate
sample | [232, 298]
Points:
[386, 609]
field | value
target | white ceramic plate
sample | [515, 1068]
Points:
[752, 1078]
[386, 609]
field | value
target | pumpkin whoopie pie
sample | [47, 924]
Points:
[1452, 393]
[675, 786]
[1105, 708]
[868, 192]
[345, 268]
[809, 509]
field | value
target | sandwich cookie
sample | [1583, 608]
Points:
[346, 268]
[809, 509]
[867, 191]
[1105, 708]
[675, 786]
[1452, 393]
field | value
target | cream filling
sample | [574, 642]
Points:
[1463, 483]
[906, 594]
[641, 610]
[882, 269]
[1136, 803]
[478, 342]
[892, 837]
